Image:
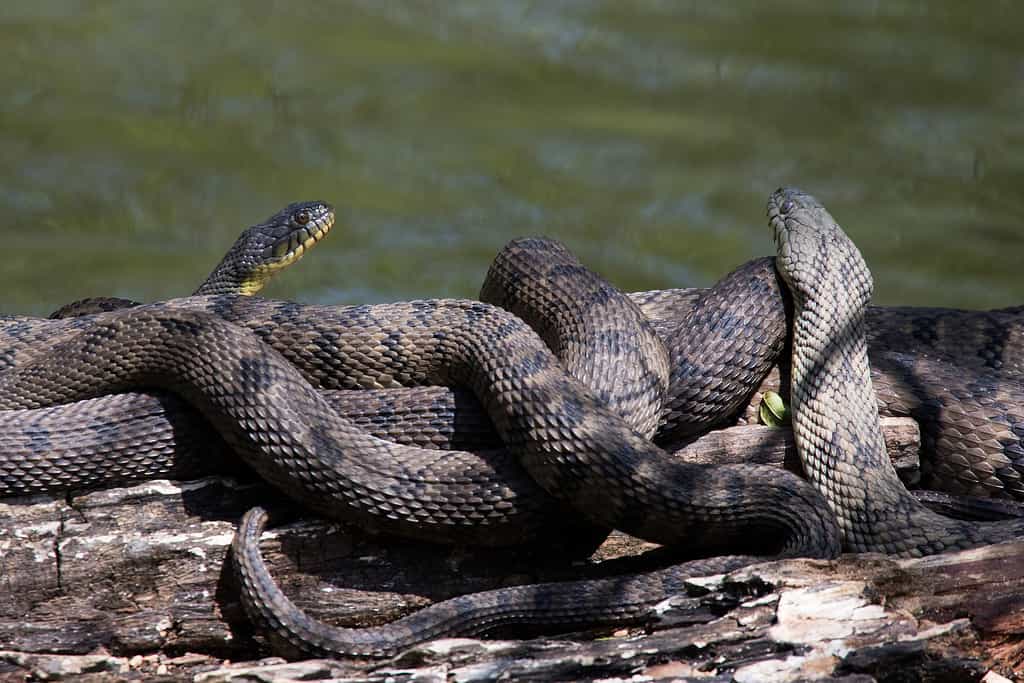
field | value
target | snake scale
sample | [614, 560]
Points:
[839, 441]
[577, 450]
[835, 417]
[971, 432]
[631, 510]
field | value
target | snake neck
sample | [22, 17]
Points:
[232, 276]
[267, 248]
[840, 444]
[836, 425]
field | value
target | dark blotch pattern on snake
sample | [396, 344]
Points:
[839, 440]
[972, 430]
[577, 450]
[835, 417]
[259, 253]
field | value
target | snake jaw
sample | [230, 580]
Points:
[292, 246]
[780, 228]
[286, 236]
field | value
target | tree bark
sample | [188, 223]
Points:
[758, 444]
[132, 581]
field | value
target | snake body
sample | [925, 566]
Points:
[972, 435]
[622, 600]
[839, 442]
[576, 449]
[835, 417]
[422, 343]
[271, 417]
[603, 340]
[336, 345]
[259, 253]
[566, 605]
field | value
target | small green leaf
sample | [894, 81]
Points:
[773, 411]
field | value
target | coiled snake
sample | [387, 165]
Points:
[835, 417]
[839, 442]
[971, 434]
[421, 342]
[575, 448]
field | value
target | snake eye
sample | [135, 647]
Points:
[786, 207]
[302, 217]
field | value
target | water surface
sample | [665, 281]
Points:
[139, 138]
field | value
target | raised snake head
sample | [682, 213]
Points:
[814, 256]
[266, 248]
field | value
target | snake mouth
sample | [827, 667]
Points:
[779, 205]
[290, 248]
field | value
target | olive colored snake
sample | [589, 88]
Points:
[838, 438]
[835, 415]
[580, 452]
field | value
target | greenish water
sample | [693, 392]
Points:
[138, 138]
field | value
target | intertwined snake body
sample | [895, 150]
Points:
[838, 437]
[972, 435]
[576, 449]
[835, 416]
[580, 451]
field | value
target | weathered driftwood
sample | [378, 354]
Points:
[133, 580]
[774, 446]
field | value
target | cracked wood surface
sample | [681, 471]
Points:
[132, 581]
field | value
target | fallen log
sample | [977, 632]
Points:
[132, 581]
[762, 445]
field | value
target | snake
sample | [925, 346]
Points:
[972, 438]
[580, 452]
[839, 441]
[709, 381]
[835, 417]
[260, 252]
[230, 307]
[555, 606]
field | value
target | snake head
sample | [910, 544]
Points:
[812, 251]
[265, 248]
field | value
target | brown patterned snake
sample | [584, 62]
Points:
[839, 442]
[259, 253]
[973, 436]
[576, 449]
[582, 454]
[835, 416]
[320, 343]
